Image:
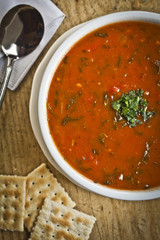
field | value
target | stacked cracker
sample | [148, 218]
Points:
[12, 202]
[42, 204]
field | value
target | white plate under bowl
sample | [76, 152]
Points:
[63, 166]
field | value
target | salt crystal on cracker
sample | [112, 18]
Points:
[58, 222]
[41, 184]
[12, 202]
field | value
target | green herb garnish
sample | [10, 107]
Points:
[132, 107]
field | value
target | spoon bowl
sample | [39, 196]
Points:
[21, 31]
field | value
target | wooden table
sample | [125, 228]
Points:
[20, 152]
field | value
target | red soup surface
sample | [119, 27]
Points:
[91, 136]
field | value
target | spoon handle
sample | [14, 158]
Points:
[9, 67]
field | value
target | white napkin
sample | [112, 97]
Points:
[52, 18]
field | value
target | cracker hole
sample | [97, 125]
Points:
[5, 207]
[49, 185]
[5, 196]
[29, 215]
[61, 215]
[40, 192]
[33, 183]
[62, 203]
[68, 229]
[4, 219]
[41, 176]
[5, 184]
[37, 208]
[16, 185]
[57, 225]
[31, 199]
[16, 196]
[14, 220]
[72, 219]
[79, 234]
[52, 236]
[55, 194]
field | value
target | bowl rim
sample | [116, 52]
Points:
[66, 45]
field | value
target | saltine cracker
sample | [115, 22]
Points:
[58, 222]
[41, 184]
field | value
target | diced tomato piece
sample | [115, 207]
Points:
[113, 90]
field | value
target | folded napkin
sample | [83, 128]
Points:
[52, 18]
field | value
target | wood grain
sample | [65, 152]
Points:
[20, 152]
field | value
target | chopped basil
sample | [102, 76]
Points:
[101, 34]
[80, 69]
[65, 60]
[101, 138]
[71, 102]
[104, 122]
[110, 178]
[105, 98]
[81, 166]
[94, 151]
[68, 119]
[84, 62]
[119, 61]
[157, 63]
[56, 102]
[132, 107]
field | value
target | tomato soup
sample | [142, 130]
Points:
[117, 61]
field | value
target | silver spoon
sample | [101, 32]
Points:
[21, 30]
